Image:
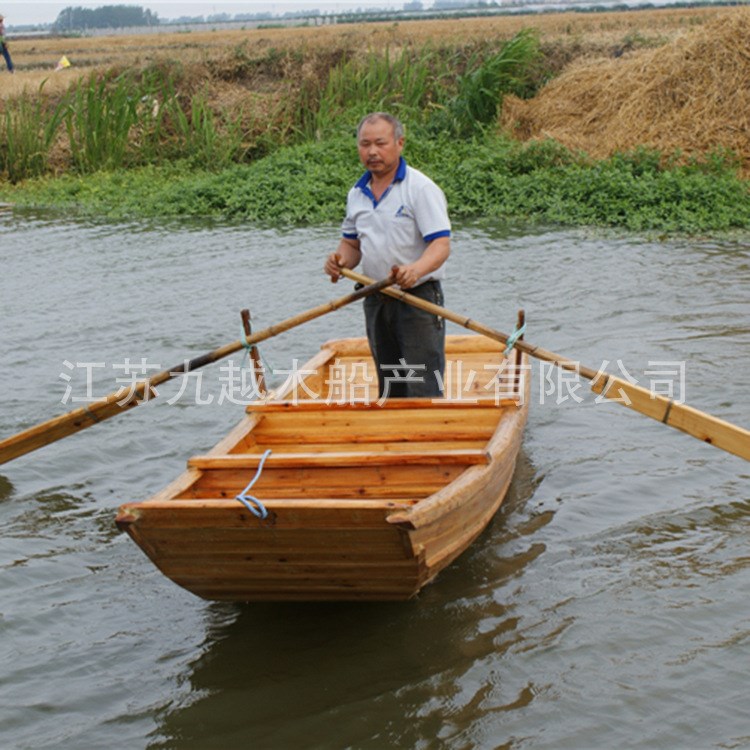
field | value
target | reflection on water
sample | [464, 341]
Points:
[348, 666]
[603, 607]
[395, 655]
[6, 488]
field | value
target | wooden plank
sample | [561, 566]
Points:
[410, 446]
[167, 545]
[218, 583]
[256, 573]
[348, 435]
[295, 543]
[451, 534]
[380, 425]
[291, 533]
[330, 476]
[454, 344]
[340, 458]
[710, 429]
[220, 516]
[314, 481]
[418, 404]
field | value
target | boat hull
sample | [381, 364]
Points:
[364, 501]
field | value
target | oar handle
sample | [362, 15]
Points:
[473, 325]
[128, 397]
[705, 427]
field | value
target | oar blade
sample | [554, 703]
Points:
[710, 429]
[698, 424]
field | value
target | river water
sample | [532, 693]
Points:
[607, 605]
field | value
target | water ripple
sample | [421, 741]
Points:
[605, 606]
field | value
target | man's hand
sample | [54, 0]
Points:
[333, 267]
[406, 276]
[435, 254]
[346, 255]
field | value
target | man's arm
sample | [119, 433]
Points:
[435, 254]
[347, 255]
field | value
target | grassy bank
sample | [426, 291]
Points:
[265, 135]
[487, 176]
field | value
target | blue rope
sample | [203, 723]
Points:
[511, 341]
[257, 509]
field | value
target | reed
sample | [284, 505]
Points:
[480, 90]
[207, 139]
[458, 89]
[27, 132]
[114, 121]
[408, 83]
[99, 114]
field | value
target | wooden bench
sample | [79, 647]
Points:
[453, 457]
[308, 405]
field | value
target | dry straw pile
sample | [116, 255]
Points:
[691, 95]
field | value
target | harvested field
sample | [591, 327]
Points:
[565, 36]
[691, 95]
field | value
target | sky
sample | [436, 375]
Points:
[20, 12]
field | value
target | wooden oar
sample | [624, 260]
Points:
[710, 429]
[129, 397]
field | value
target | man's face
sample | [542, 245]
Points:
[379, 151]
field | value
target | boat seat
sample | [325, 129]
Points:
[460, 456]
[307, 405]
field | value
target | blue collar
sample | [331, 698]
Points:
[364, 181]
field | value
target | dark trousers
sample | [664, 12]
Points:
[6, 55]
[408, 344]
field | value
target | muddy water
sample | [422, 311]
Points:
[607, 605]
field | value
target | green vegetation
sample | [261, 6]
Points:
[28, 134]
[139, 145]
[485, 177]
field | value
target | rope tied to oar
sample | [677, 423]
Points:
[252, 503]
[511, 340]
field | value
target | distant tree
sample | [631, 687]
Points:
[413, 6]
[106, 17]
[186, 19]
[450, 4]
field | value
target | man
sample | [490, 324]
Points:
[4, 47]
[396, 216]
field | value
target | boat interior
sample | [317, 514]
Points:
[327, 437]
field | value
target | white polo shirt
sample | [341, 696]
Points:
[396, 229]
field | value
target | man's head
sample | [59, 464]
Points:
[380, 140]
[394, 122]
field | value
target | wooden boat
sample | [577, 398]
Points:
[364, 500]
